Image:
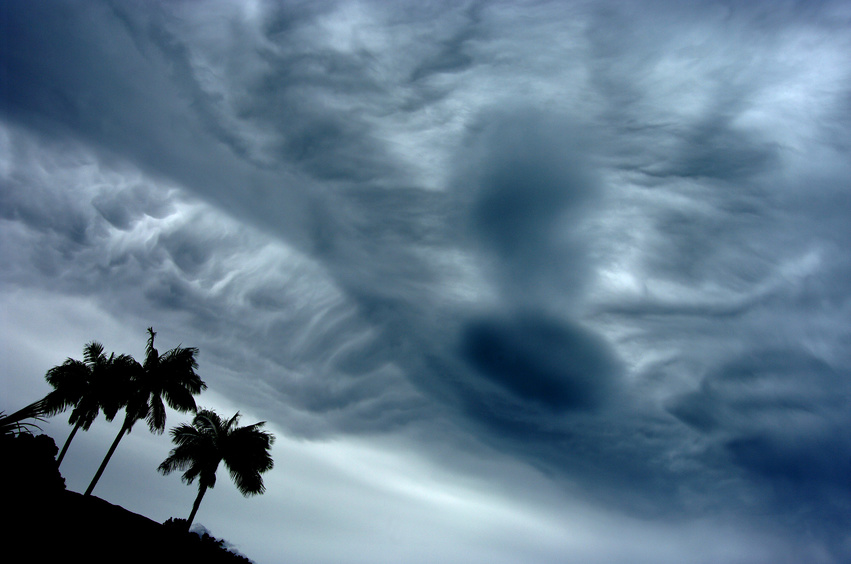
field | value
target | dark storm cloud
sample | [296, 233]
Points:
[542, 361]
[80, 71]
[413, 231]
[781, 413]
[63, 66]
[314, 101]
[526, 193]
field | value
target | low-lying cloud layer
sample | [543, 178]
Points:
[601, 246]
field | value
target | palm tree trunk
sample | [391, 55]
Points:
[201, 491]
[67, 442]
[124, 428]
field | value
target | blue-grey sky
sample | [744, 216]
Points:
[511, 281]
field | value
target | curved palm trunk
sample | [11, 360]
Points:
[201, 491]
[67, 442]
[124, 428]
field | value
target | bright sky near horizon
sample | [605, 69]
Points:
[511, 281]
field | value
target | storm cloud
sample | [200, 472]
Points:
[484, 267]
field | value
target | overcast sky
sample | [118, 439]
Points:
[511, 282]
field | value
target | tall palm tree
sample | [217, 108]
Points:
[90, 386]
[162, 379]
[210, 440]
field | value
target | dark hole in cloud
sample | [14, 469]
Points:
[556, 364]
[780, 414]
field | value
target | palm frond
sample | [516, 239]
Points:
[231, 423]
[247, 482]
[71, 381]
[175, 461]
[93, 353]
[151, 354]
[184, 433]
[15, 423]
[178, 396]
[156, 414]
[85, 412]
[56, 402]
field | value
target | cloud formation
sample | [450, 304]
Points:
[599, 246]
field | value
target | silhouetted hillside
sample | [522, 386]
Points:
[47, 523]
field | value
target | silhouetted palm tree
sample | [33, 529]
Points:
[210, 440]
[163, 379]
[89, 386]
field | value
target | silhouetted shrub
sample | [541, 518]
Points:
[201, 544]
[175, 524]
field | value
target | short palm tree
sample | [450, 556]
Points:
[210, 440]
[89, 386]
[162, 379]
